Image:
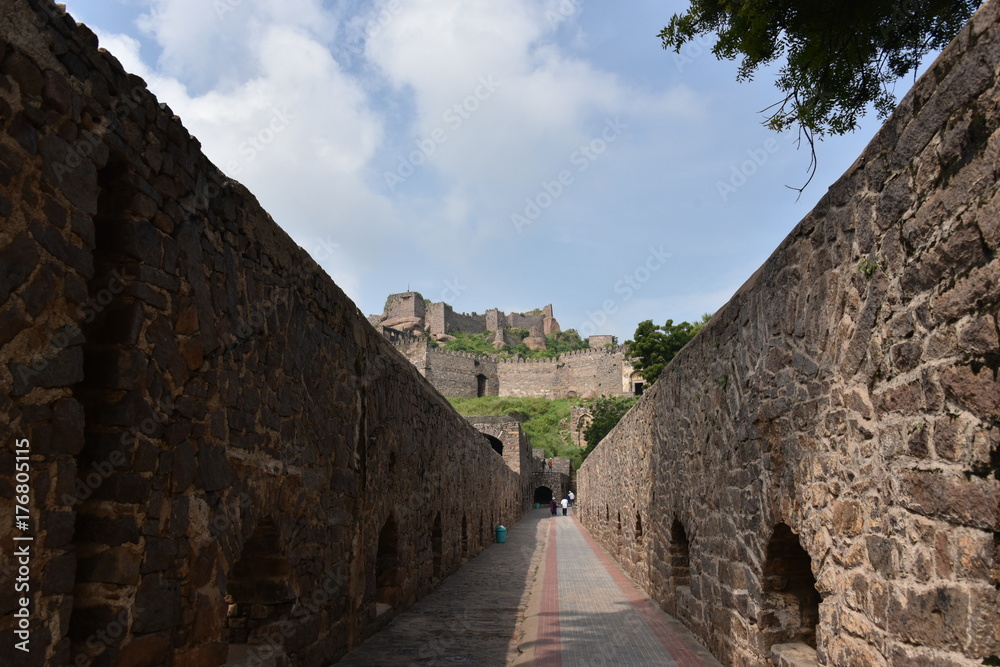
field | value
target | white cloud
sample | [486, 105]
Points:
[310, 107]
[543, 106]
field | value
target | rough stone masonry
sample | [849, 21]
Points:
[224, 458]
[815, 478]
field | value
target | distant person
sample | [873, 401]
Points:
[571, 498]
[550, 465]
[552, 506]
[565, 504]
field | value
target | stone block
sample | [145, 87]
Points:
[214, 471]
[105, 530]
[58, 527]
[145, 650]
[63, 368]
[968, 501]
[975, 387]
[158, 555]
[19, 259]
[209, 655]
[157, 604]
[59, 575]
[118, 565]
[937, 618]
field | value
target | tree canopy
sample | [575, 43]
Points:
[841, 55]
[654, 346]
[605, 413]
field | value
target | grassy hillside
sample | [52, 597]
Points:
[545, 421]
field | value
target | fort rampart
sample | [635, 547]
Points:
[580, 373]
[225, 457]
[820, 466]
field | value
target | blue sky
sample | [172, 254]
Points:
[491, 155]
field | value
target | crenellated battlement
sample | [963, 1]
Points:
[601, 371]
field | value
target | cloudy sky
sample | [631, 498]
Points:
[489, 154]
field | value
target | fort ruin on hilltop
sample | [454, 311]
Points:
[414, 324]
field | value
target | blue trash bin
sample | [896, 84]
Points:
[501, 534]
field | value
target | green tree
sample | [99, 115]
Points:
[840, 55]
[654, 346]
[469, 342]
[605, 413]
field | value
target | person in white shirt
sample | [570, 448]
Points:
[571, 498]
[565, 504]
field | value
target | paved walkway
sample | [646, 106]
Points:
[549, 597]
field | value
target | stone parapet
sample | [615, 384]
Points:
[225, 456]
[815, 475]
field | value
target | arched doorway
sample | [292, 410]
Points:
[791, 601]
[495, 443]
[258, 593]
[680, 555]
[480, 385]
[387, 567]
[543, 495]
[637, 383]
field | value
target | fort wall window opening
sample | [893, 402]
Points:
[258, 590]
[791, 601]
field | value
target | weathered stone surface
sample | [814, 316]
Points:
[144, 651]
[871, 418]
[240, 430]
[19, 258]
[157, 604]
[118, 565]
[967, 501]
[208, 414]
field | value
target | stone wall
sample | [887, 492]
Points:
[442, 319]
[588, 373]
[461, 374]
[222, 449]
[579, 420]
[517, 450]
[405, 305]
[821, 464]
[582, 373]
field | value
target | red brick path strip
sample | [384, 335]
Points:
[650, 614]
[548, 652]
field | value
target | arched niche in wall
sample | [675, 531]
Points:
[543, 494]
[387, 566]
[790, 610]
[258, 592]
